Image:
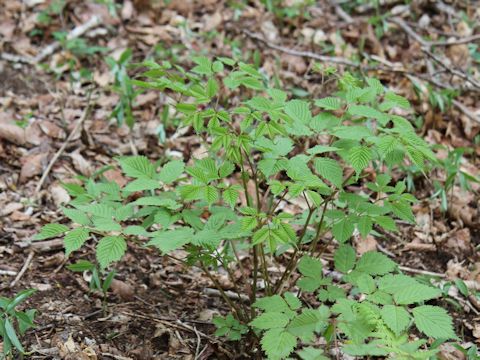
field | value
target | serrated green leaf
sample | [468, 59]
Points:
[359, 157]
[310, 267]
[403, 210]
[74, 239]
[375, 263]
[434, 322]
[308, 322]
[329, 103]
[210, 194]
[330, 170]
[106, 225]
[171, 171]
[142, 184]
[365, 225]
[77, 216]
[50, 230]
[278, 344]
[230, 196]
[352, 132]
[368, 112]
[293, 301]
[344, 258]
[110, 249]
[100, 210]
[310, 353]
[396, 318]
[270, 320]
[172, 239]
[137, 166]
[394, 283]
[343, 230]
[273, 303]
[415, 293]
[299, 111]
[157, 201]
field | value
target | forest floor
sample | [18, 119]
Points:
[427, 51]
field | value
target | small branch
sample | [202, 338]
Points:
[404, 26]
[50, 49]
[459, 41]
[308, 54]
[62, 148]
[230, 294]
[421, 272]
[75, 33]
[469, 113]
[8, 272]
[24, 268]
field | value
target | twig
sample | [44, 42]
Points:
[451, 69]
[24, 268]
[116, 357]
[17, 58]
[94, 21]
[385, 251]
[426, 45]
[50, 49]
[346, 62]
[340, 12]
[199, 342]
[459, 41]
[8, 272]
[466, 111]
[308, 54]
[404, 26]
[421, 272]
[229, 294]
[62, 148]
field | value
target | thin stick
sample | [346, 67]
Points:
[466, 111]
[75, 33]
[199, 342]
[421, 272]
[62, 148]
[323, 58]
[24, 268]
[8, 272]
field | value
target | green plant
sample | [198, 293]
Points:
[97, 282]
[123, 87]
[266, 150]
[454, 175]
[14, 322]
[55, 8]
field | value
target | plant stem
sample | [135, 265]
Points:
[292, 263]
[255, 249]
[234, 283]
[265, 271]
[230, 303]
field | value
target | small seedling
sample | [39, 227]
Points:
[14, 322]
[97, 282]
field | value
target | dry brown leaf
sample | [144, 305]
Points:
[365, 245]
[32, 165]
[52, 130]
[122, 289]
[12, 133]
[115, 175]
[460, 242]
[10, 208]
[81, 164]
[59, 195]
